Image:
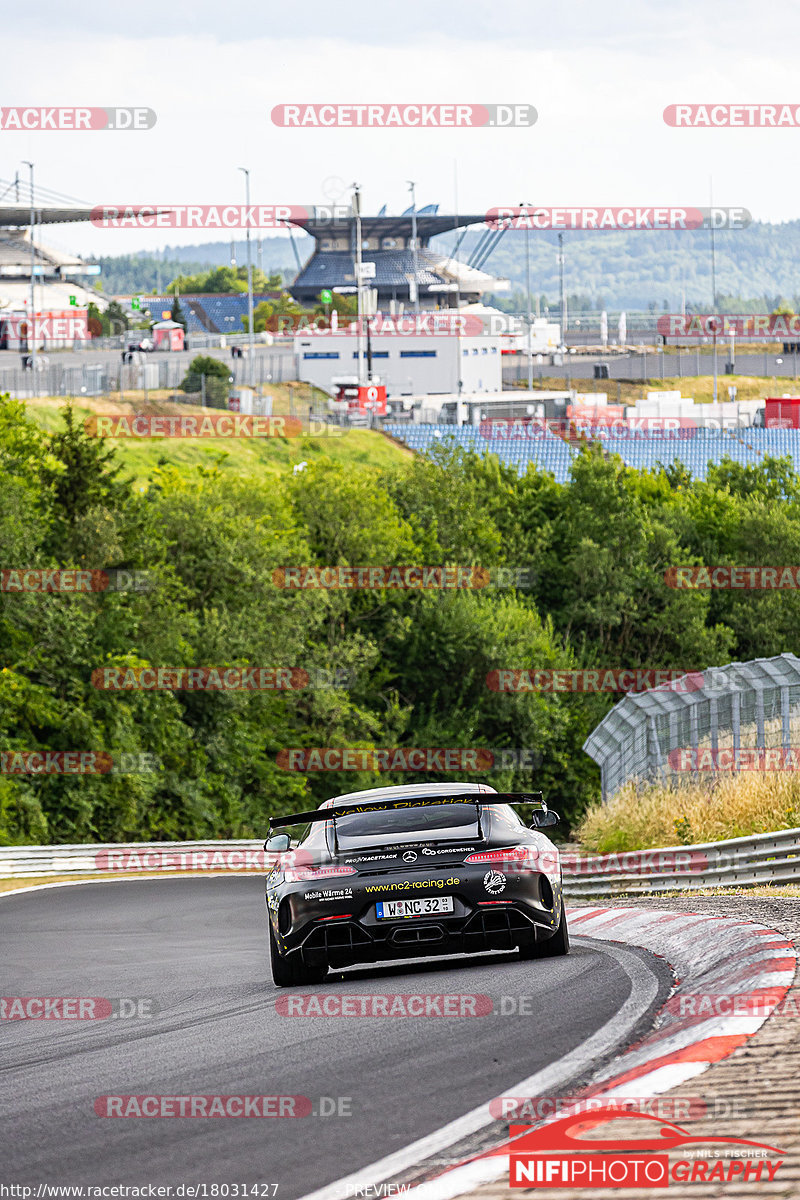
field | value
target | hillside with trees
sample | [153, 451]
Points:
[595, 551]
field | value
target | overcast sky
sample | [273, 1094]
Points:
[599, 76]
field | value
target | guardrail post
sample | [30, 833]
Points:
[760, 735]
[736, 722]
[653, 748]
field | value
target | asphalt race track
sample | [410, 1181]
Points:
[198, 948]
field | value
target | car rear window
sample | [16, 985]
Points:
[435, 822]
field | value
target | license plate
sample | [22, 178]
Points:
[422, 907]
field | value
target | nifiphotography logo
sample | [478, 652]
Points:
[556, 1155]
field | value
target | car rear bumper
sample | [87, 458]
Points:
[344, 943]
[347, 941]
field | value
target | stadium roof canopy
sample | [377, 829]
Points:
[19, 216]
[321, 222]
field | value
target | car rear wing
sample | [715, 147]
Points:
[479, 799]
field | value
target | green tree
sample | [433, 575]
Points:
[178, 314]
[224, 280]
[209, 375]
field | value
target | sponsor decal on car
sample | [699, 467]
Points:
[405, 885]
[494, 882]
[428, 851]
[337, 894]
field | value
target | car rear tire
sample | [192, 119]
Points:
[292, 972]
[558, 944]
[552, 947]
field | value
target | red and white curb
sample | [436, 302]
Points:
[747, 965]
[743, 965]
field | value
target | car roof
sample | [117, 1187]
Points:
[408, 791]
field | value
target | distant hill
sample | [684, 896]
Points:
[149, 273]
[636, 270]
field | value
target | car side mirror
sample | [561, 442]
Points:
[544, 819]
[279, 843]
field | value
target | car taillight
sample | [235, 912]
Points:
[512, 854]
[519, 859]
[302, 874]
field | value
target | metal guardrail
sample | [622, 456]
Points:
[772, 858]
[739, 862]
[21, 862]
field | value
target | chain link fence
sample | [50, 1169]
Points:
[716, 720]
[105, 378]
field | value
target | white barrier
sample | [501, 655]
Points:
[738, 862]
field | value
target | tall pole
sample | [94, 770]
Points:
[414, 261]
[713, 249]
[458, 292]
[528, 289]
[32, 320]
[251, 339]
[359, 284]
[713, 279]
[562, 301]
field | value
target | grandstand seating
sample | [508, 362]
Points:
[392, 269]
[215, 308]
[549, 452]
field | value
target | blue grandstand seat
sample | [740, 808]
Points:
[549, 452]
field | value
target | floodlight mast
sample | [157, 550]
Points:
[359, 283]
[414, 258]
[251, 338]
[32, 320]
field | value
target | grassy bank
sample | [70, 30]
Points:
[236, 456]
[641, 817]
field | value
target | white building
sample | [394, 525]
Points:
[442, 352]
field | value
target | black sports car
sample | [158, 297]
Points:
[399, 872]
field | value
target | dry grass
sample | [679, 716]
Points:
[642, 816]
[700, 387]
